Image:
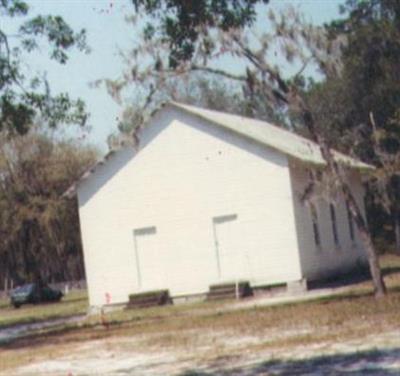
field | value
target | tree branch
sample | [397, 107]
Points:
[303, 67]
[4, 37]
[218, 72]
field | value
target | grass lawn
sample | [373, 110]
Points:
[74, 303]
[210, 331]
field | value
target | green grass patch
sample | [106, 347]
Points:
[390, 262]
[74, 303]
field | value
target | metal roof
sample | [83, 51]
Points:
[262, 132]
[270, 135]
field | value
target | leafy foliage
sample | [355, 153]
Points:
[39, 230]
[23, 98]
[180, 22]
[358, 109]
[158, 70]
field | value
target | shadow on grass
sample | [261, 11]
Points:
[43, 312]
[388, 270]
[342, 280]
[80, 332]
[375, 362]
[354, 277]
[73, 300]
[33, 320]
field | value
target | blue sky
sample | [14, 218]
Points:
[107, 34]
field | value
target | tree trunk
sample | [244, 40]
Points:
[379, 284]
[6, 283]
[288, 94]
[334, 170]
[396, 225]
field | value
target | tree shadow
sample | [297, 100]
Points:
[359, 274]
[81, 332]
[388, 270]
[374, 362]
[341, 280]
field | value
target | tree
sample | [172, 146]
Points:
[39, 230]
[185, 24]
[177, 31]
[360, 107]
[296, 41]
[23, 97]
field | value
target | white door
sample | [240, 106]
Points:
[229, 255]
[149, 266]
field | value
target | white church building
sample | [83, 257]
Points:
[208, 197]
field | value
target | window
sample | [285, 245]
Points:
[350, 220]
[334, 224]
[314, 218]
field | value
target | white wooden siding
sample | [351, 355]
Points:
[329, 258]
[186, 174]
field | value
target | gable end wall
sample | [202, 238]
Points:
[186, 173]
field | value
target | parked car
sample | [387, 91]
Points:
[34, 293]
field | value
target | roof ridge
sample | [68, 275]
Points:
[275, 126]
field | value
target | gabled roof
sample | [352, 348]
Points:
[270, 135]
[262, 132]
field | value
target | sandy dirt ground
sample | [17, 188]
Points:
[220, 353]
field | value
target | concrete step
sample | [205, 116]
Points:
[149, 299]
[229, 291]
